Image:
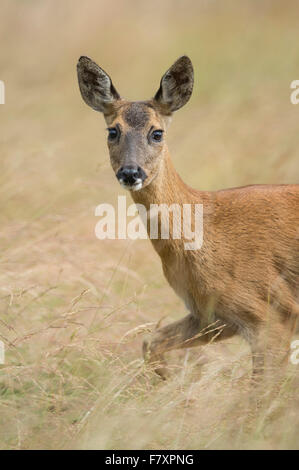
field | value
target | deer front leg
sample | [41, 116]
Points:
[184, 333]
[169, 337]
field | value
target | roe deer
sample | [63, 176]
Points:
[244, 278]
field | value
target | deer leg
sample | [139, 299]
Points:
[184, 333]
[270, 352]
[270, 349]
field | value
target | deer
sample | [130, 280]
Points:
[244, 278]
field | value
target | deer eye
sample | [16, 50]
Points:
[112, 133]
[157, 135]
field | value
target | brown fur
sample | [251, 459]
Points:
[245, 276]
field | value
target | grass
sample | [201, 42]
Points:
[74, 310]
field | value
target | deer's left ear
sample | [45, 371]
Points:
[96, 86]
[176, 85]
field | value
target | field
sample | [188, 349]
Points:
[74, 309]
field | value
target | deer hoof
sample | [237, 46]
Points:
[157, 362]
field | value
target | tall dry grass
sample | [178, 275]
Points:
[74, 309]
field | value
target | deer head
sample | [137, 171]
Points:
[136, 130]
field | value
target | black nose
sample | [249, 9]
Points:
[129, 175]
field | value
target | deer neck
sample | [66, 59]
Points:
[167, 187]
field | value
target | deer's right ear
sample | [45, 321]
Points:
[176, 86]
[96, 86]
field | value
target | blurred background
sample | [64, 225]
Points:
[73, 309]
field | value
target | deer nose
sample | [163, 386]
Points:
[130, 175]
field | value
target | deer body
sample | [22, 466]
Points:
[249, 261]
[245, 276]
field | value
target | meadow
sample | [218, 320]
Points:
[74, 309]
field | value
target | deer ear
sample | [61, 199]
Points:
[176, 85]
[96, 87]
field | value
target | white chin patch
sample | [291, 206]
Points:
[135, 187]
